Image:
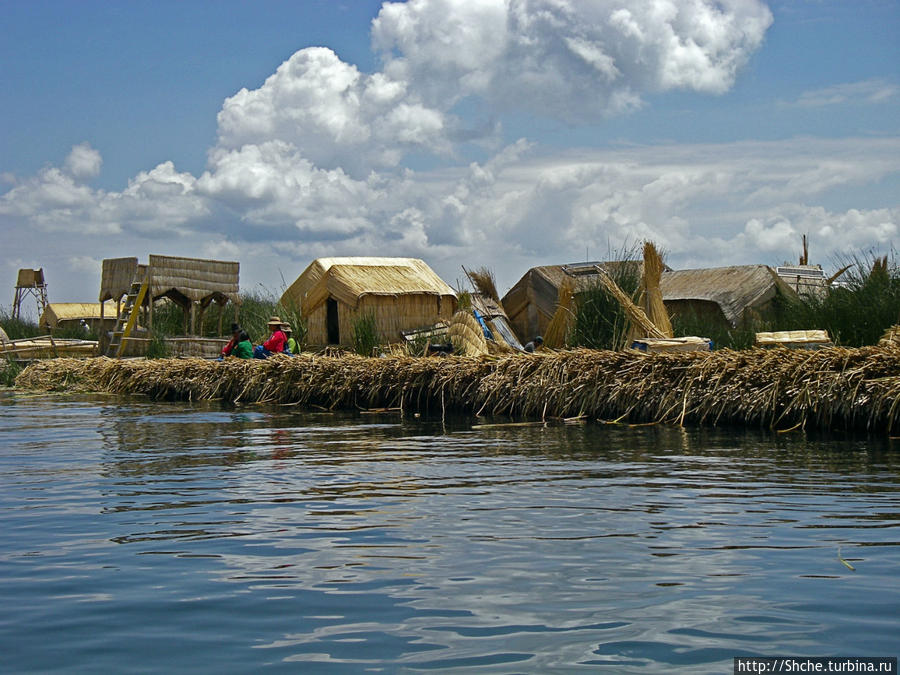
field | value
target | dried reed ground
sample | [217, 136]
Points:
[779, 388]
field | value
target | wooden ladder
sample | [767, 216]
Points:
[127, 319]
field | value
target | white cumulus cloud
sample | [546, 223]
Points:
[571, 59]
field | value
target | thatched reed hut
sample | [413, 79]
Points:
[726, 296]
[532, 301]
[730, 296]
[191, 283]
[402, 294]
[59, 315]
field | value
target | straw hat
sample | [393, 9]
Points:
[286, 328]
[274, 321]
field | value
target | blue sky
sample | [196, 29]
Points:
[499, 132]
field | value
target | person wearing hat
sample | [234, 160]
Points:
[275, 343]
[291, 347]
[534, 344]
[235, 334]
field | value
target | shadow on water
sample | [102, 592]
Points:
[270, 536]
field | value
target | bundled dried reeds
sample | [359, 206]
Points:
[891, 336]
[561, 323]
[835, 388]
[655, 309]
[483, 281]
[635, 314]
[466, 335]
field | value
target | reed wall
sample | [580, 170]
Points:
[393, 314]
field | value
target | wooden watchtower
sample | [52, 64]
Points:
[30, 282]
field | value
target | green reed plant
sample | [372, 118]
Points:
[691, 323]
[9, 369]
[365, 334]
[857, 312]
[18, 328]
[157, 347]
[600, 322]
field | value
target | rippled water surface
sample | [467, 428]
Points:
[162, 536]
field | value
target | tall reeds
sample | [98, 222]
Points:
[653, 300]
[365, 334]
[600, 321]
[860, 310]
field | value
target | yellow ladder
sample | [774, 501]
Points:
[127, 319]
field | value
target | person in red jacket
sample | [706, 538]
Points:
[275, 343]
[235, 333]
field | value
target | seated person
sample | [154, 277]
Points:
[291, 347]
[244, 348]
[534, 344]
[275, 343]
[226, 350]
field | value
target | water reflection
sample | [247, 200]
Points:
[358, 541]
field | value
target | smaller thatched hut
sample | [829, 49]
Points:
[731, 296]
[191, 283]
[402, 294]
[532, 301]
[58, 315]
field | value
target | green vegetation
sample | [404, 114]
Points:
[8, 371]
[365, 334]
[17, 329]
[723, 335]
[858, 312]
[600, 321]
[255, 311]
[157, 347]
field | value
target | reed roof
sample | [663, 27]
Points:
[117, 276]
[194, 278]
[29, 278]
[349, 279]
[75, 311]
[540, 285]
[733, 289]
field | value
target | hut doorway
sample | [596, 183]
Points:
[331, 322]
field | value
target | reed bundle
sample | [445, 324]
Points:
[561, 323]
[466, 334]
[483, 281]
[891, 336]
[635, 314]
[835, 388]
[656, 310]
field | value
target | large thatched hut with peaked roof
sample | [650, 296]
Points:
[402, 294]
[733, 296]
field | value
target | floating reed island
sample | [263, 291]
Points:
[780, 389]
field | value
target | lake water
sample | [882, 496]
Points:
[141, 536]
